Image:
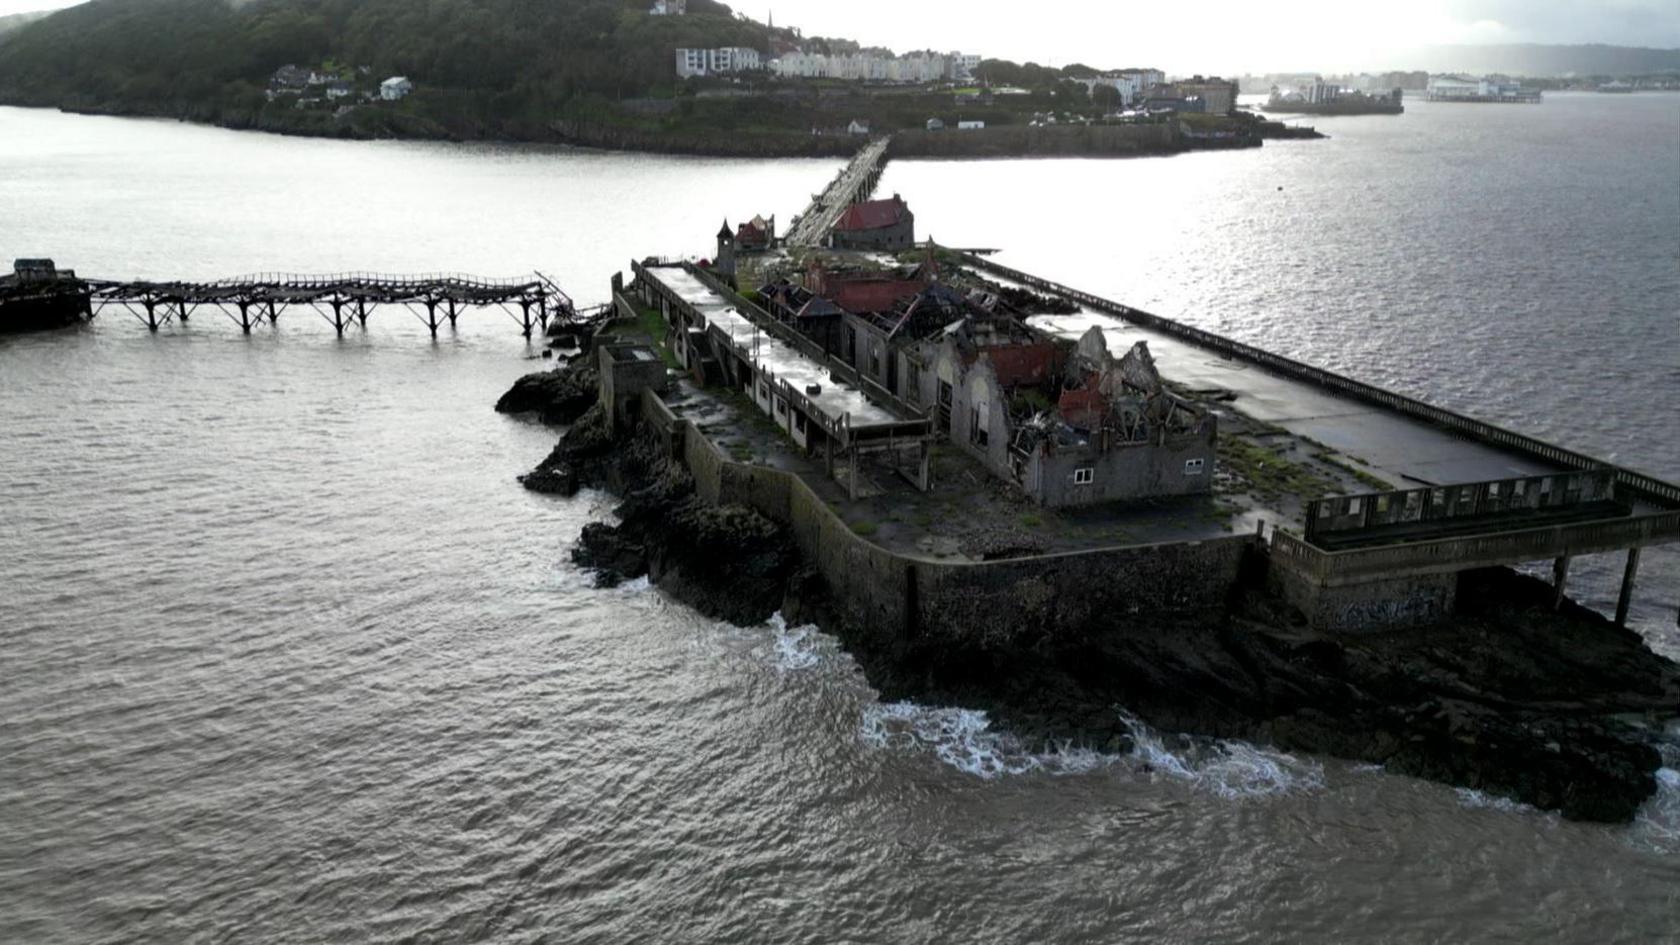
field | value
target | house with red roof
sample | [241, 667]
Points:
[875, 225]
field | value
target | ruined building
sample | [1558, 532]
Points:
[1071, 428]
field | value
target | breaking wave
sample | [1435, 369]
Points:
[795, 648]
[1473, 799]
[1657, 825]
[963, 739]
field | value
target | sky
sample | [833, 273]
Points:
[1209, 36]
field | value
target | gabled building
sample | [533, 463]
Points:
[755, 235]
[289, 78]
[394, 88]
[1069, 427]
[875, 225]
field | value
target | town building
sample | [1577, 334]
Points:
[1129, 85]
[288, 78]
[1458, 88]
[1218, 96]
[1320, 92]
[339, 88]
[1142, 79]
[725, 59]
[962, 65]
[858, 127]
[394, 88]
[668, 8]
[875, 225]
[917, 68]
[970, 125]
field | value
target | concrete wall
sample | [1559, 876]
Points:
[979, 402]
[1371, 606]
[900, 598]
[1126, 471]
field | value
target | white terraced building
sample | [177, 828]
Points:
[913, 68]
[725, 59]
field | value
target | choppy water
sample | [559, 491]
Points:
[289, 656]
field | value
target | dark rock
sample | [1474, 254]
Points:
[727, 562]
[559, 396]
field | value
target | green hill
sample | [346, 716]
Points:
[482, 68]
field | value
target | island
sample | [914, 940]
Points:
[1008, 494]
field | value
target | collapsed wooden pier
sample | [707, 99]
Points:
[340, 298]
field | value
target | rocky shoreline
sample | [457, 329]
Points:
[1550, 708]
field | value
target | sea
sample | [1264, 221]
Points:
[287, 654]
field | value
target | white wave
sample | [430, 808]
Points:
[1477, 800]
[959, 737]
[1226, 768]
[962, 738]
[635, 586]
[1656, 827]
[795, 648]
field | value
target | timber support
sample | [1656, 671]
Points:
[348, 296]
[1560, 579]
[1629, 575]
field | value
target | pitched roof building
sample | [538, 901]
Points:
[876, 224]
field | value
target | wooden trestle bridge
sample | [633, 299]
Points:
[341, 298]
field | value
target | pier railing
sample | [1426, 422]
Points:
[1649, 488]
[1443, 555]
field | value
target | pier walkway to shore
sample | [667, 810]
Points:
[855, 182]
[532, 301]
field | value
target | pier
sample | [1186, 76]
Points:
[855, 182]
[1481, 495]
[342, 299]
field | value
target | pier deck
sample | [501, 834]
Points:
[855, 182]
[1389, 575]
[1398, 448]
[340, 298]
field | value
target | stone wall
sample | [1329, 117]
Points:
[1183, 465]
[1044, 141]
[1370, 606]
[900, 599]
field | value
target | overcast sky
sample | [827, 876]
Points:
[1215, 36]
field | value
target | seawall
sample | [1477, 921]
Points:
[1041, 141]
[901, 600]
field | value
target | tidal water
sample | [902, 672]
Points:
[286, 654]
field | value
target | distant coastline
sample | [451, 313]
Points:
[999, 142]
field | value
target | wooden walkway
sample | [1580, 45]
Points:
[341, 298]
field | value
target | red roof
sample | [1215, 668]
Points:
[873, 214]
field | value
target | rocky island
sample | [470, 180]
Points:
[954, 583]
